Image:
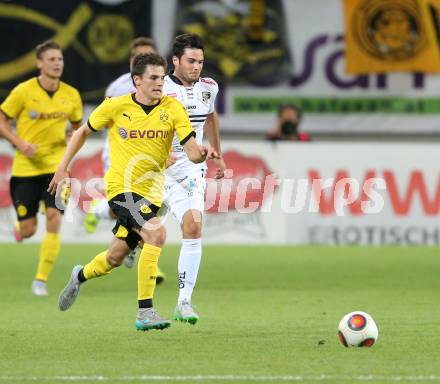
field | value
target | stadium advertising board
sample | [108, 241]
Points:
[332, 100]
[314, 193]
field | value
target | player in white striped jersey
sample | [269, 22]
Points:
[185, 181]
[121, 86]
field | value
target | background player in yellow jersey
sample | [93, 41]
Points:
[41, 106]
[141, 129]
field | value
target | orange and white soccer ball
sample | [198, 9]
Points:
[358, 329]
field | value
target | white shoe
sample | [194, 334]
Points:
[131, 258]
[185, 312]
[39, 288]
[70, 292]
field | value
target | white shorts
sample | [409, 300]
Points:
[180, 197]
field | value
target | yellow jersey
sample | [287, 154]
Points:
[140, 142]
[41, 119]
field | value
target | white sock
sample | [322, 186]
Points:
[102, 210]
[188, 267]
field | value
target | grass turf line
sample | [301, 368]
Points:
[265, 311]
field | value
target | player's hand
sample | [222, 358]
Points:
[203, 151]
[27, 149]
[171, 160]
[221, 166]
[212, 154]
[57, 181]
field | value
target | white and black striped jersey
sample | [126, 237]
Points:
[121, 86]
[199, 102]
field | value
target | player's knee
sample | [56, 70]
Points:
[115, 259]
[114, 262]
[53, 217]
[28, 230]
[192, 226]
[155, 236]
[160, 236]
[192, 231]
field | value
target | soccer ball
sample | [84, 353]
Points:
[357, 329]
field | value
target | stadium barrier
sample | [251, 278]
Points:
[279, 193]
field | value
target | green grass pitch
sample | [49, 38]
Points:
[267, 314]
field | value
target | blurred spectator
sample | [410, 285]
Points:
[289, 118]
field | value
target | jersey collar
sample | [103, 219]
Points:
[50, 93]
[143, 106]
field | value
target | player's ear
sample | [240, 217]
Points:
[39, 64]
[175, 60]
[136, 80]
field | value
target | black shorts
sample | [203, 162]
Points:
[132, 211]
[28, 191]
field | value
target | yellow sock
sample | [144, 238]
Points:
[97, 267]
[49, 250]
[147, 271]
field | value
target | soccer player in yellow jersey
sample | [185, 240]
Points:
[42, 106]
[141, 128]
[100, 209]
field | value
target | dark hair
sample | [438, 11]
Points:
[142, 42]
[141, 61]
[187, 40]
[44, 46]
[293, 107]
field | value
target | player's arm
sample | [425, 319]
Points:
[198, 153]
[6, 131]
[76, 142]
[171, 160]
[75, 126]
[195, 152]
[99, 118]
[212, 132]
[76, 115]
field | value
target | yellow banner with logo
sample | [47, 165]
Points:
[391, 36]
[94, 36]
